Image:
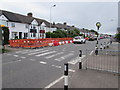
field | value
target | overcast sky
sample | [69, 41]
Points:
[79, 14]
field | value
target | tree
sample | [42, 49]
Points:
[48, 34]
[6, 35]
[117, 36]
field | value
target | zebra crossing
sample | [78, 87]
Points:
[45, 56]
[56, 55]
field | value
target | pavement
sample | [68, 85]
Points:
[95, 78]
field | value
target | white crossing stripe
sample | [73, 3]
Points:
[38, 52]
[76, 60]
[51, 56]
[71, 70]
[15, 55]
[23, 57]
[22, 51]
[45, 53]
[32, 59]
[56, 66]
[64, 57]
[42, 62]
[31, 51]
[8, 54]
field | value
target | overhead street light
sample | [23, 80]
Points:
[51, 17]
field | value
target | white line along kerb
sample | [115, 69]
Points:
[56, 81]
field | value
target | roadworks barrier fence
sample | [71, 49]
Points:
[36, 43]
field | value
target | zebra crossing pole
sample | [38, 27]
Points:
[66, 76]
[98, 24]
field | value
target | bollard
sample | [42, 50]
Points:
[101, 47]
[96, 50]
[104, 45]
[66, 76]
[80, 55]
[80, 63]
[108, 44]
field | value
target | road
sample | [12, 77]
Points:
[38, 68]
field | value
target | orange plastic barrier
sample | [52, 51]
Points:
[34, 43]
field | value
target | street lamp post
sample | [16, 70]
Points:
[98, 24]
[51, 17]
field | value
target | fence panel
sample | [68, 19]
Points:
[106, 60]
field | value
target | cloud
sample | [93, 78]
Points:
[82, 14]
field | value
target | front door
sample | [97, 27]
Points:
[20, 35]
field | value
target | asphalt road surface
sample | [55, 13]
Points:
[40, 68]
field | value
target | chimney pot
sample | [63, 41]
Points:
[30, 14]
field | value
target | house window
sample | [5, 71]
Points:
[26, 26]
[13, 24]
[14, 35]
[42, 27]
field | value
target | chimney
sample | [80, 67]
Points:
[30, 14]
[73, 26]
[53, 23]
[65, 23]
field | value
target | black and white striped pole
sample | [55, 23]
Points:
[98, 24]
[66, 76]
[80, 62]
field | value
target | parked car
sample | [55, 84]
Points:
[95, 38]
[79, 39]
[91, 39]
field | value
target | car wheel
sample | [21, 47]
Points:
[84, 42]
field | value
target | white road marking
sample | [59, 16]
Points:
[42, 62]
[91, 52]
[45, 53]
[56, 66]
[21, 51]
[63, 57]
[32, 59]
[51, 56]
[38, 52]
[72, 51]
[15, 55]
[54, 82]
[71, 70]
[32, 51]
[23, 57]
[12, 62]
[76, 60]
[8, 54]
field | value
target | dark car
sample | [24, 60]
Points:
[91, 39]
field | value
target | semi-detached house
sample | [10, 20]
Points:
[22, 26]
